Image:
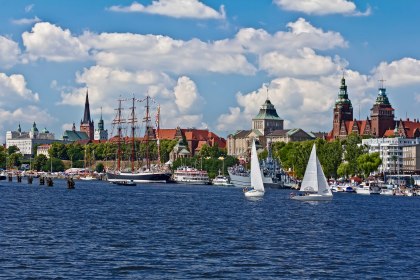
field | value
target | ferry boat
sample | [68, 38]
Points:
[191, 175]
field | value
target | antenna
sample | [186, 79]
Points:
[266, 89]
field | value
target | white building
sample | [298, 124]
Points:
[26, 141]
[101, 133]
[390, 151]
[43, 150]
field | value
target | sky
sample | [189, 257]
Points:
[207, 63]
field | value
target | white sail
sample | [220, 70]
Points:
[256, 177]
[314, 179]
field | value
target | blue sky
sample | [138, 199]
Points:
[208, 63]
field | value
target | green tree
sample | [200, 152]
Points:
[368, 163]
[99, 167]
[353, 149]
[330, 156]
[343, 170]
[39, 162]
[56, 164]
[12, 150]
[58, 150]
[3, 157]
[14, 160]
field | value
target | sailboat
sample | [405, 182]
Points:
[314, 184]
[256, 176]
[146, 174]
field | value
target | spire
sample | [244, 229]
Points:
[343, 96]
[101, 122]
[19, 129]
[73, 127]
[86, 116]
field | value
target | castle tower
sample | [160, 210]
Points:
[86, 125]
[381, 114]
[267, 119]
[100, 132]
[343, 110]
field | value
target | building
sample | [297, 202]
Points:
[43, 150]
[27, 141]
[87, 132]
[266, 125]
[86, 125]
[101, 134]
[380, 124]
[290, 135]
[411, 159]
[391, 151]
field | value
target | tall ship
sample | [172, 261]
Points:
[191, 175]
[146, 173]
[273, 174]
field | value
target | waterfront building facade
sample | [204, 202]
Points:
[267, 125]
[381, 123]
[43, 150]
[391, 151]
[27, 140]
[411, 159]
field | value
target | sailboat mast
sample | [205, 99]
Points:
[117, 121]
[133, 147]
[147, 120]
[158, 132]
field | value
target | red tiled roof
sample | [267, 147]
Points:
[389, 133]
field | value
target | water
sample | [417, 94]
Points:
[104, 231]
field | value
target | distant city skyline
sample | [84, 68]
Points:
[210, 64]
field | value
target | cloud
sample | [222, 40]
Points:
[107, 85]
[26, 21]
[174, 8]
[52, 43]
[401, 72]
[302, 103]
[9, 52]
[13, 88]
[29, 8]
[319, 7]
[305, 63]
[186, 96]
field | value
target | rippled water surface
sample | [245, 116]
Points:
[104, 231]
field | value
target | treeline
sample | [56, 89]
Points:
[340, 158]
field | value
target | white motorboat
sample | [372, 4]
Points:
[256, 176]
[221, 180]
[387, 190]
[314, 184]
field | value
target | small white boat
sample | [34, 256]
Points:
[256, 176]
[88, 178]
[314, 184]
[363, 189]
[387, 190]
[221, 180]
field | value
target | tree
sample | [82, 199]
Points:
[12, 150]
[39, 162]
[99, 167]
[57, 165]
[343, 170]
[353, 150]
[330, 156]
[3, 157]
[368, 163]
[14, 160]
[58, 150]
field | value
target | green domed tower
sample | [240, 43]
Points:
[382, 114]
[343, 109]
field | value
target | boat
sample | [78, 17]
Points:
[148, 173]
[388, 190]
[221, 180]
[314, 184]
[88, 178]
[125, 183]
[191, 175]
[368, 188]
[257, 184]
[273, 174]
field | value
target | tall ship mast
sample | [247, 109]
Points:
[146, 174]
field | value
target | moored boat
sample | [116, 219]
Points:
[191, 175]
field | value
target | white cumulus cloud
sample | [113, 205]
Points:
[53, 43]
[13, 88]
[321, 7]
[9, 52]
[174, 8]
[401, 72]
[26, 21]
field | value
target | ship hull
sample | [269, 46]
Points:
[243, 181]
[145, 177]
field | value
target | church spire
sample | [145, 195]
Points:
[86, 116]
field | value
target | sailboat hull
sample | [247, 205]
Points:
[145, 177]
[254, 193]
[312, 197]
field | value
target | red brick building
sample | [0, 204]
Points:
[380, 124]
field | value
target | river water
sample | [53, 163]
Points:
[105, 231]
